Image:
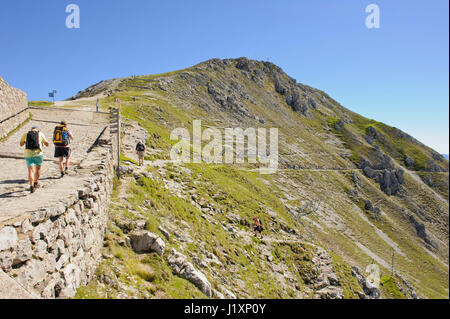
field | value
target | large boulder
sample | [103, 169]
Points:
[8, 238]
[143, 241]
[370, 290]
[32, 273]
[186, 270]
[24, 251]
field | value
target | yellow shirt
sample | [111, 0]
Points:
[33, 153]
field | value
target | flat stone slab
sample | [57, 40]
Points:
[10, 289]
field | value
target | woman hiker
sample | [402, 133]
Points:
[34, 156]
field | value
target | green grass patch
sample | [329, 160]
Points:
[40, 103]
[389, 288]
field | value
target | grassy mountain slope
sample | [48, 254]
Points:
[379, 191]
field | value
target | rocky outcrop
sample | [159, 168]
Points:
[381, 168]
[422, 233]
[183, 268]
[370, 290]
[406, 288]
[409, 162]
[389, 179]
[144, 241]
[297, 96]
[375, 212]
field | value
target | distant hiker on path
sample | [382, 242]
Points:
[258, 226]
[140, 151]
[34, 157]
[61, 139]
[96, 106]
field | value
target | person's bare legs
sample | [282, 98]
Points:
[37, 174]
[67, 162]
[61, 167]
[31, 175]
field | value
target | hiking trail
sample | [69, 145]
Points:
[15, 199]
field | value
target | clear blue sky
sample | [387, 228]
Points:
[397, 74]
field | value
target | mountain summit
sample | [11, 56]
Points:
[349, 192]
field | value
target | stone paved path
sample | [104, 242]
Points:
[85, 125]
[10, 289]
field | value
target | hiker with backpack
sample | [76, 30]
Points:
[61, 138]
[258, 227]
[34, 156]
[140, 151]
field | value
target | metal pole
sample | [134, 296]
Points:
[118, 144]
[393, 252]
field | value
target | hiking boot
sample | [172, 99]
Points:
[32, 189]
[36, 185]
[66, 170]
[62, 174]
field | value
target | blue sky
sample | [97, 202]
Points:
[397, 74]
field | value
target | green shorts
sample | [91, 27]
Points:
[35, 160]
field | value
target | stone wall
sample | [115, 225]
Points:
[12, 103]
[54, 250]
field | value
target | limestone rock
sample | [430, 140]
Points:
[23, 251]
[144, 241]
[72, 276]
[8, 238]
[32, 273]
[186, 270]
[370, 290]
[26, 226]
[164, 232]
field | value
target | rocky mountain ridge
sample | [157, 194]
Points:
[380, 194]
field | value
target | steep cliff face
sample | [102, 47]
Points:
[349, 192]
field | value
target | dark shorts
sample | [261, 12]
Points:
[62, 151]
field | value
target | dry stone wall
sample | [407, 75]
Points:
[56, 249]
[13, 105]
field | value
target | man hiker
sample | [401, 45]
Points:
[34, 157]
[96, 106]
[140, 151]
[258, 226]
[61, 138]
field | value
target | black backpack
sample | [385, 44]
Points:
[140, 147]
[32, 142]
